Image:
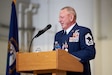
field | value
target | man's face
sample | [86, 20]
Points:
[64, 19]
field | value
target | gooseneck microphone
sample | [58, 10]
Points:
[43, 30]
[39, 33]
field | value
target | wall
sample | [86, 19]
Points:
[102, 28]
[4, 19]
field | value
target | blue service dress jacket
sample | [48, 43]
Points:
[78, 42]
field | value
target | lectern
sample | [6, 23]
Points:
[55, 62]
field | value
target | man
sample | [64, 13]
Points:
[75, 39]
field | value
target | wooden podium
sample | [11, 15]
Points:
[56, 62]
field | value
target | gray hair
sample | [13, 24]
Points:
[71, 10]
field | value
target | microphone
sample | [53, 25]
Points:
[43, 30]
[39, 33]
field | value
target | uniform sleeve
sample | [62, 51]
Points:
[87, 46]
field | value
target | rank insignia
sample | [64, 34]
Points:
[88, 39]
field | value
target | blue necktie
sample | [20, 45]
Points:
[65, 33]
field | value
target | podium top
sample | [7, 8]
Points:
[50, 60]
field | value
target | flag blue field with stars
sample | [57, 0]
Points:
[13, 44]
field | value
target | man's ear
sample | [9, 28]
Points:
[71, 17]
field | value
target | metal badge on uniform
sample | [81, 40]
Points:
[88, 39]
[75, 37]
[65, 46]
